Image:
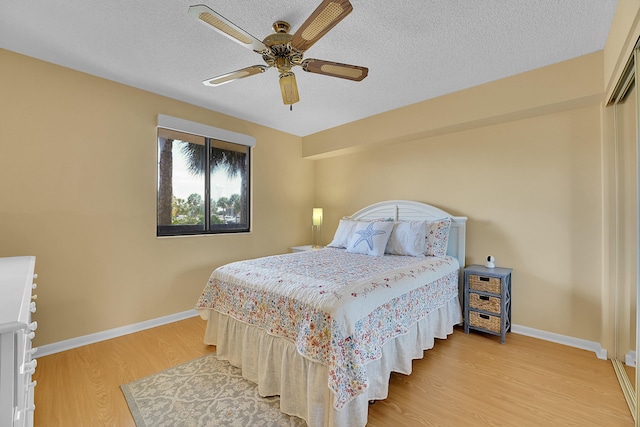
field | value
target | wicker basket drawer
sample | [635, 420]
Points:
[484, 302]
[484, 321]
[484, 283]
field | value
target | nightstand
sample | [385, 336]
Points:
[487, 300]
[304, 248]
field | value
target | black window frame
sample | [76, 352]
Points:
[208, 228]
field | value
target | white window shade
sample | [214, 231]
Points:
[174, 123]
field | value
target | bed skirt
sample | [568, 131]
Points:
[275, 365]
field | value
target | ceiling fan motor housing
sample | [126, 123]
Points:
[280, 54]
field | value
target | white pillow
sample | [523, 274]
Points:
[343, 232]
[370, 238]
[438, 237]
[408, 238]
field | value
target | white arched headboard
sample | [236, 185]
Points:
[406, 210]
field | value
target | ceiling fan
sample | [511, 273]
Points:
[283, 50]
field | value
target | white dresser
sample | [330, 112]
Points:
[16, 332]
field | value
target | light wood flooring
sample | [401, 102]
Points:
[466, 380]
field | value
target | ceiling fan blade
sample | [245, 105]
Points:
[335, 69]
[324, 18]
[235, 75]
[225, 27]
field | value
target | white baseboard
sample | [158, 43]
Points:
[57, 347]
[600, 352]
[137, 327]
[630, 358]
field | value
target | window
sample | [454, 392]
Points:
[203, 180]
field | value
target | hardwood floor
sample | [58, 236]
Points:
[81, 387]
[466, 380]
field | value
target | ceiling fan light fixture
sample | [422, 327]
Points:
[289, 88]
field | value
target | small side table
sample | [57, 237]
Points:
[487, 300]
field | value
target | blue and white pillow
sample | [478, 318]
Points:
[370, 238]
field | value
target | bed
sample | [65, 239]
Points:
[323, 329]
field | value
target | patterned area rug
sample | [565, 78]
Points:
[203, 392]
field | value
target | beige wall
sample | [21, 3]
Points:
[522, 163]
[524, 157]
[553, 88]
[78, 179]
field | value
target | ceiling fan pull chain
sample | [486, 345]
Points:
[291, 107]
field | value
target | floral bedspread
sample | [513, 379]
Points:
[338, 308]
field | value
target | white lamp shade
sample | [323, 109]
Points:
[317, 216]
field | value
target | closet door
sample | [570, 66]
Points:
[625, 240]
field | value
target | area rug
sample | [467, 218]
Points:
[203, 392]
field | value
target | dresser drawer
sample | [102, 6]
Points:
[485, 283]
[485, 302]
[16, 333]
[484, 321]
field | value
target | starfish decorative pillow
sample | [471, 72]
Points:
[370, 238]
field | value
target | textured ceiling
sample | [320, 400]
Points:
[415, 50]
